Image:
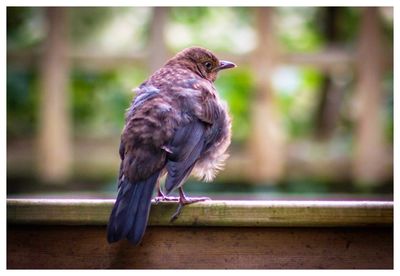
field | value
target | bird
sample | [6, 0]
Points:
[176, 125]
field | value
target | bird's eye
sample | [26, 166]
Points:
[208, 65]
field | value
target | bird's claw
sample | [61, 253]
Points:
[163, 198]
[177, 213]
[185, 201]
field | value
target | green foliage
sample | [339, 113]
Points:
[297, 106]
[298, 29]
[236, 88]
[22, 100]
[88, 21]
[101, 98]
[190, 15]
[349, 24]
[224, 29]
[304, 29]
[24, 27]
[195, 15]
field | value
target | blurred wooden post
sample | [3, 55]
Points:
[157, 47]
[334, 80]
[54, 157]
[369, 155]
[266, 143]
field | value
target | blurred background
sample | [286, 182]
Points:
[311, 98]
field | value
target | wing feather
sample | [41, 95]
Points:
[186, 147]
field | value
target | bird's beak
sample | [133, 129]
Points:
[223, 64]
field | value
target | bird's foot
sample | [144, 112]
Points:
[185, 201]
[189, 200]
[163, 198]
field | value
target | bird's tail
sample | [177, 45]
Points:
[131, 210]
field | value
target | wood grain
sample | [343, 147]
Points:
[209, 213]
[201, 247]
[53, 233]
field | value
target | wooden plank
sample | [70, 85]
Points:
[265, 145]
[323, 59]
[370, 102]
[209, 213]
[33, 246]
[157, 47]
[54, 149]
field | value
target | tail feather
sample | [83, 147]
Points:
[131, 210]
[120, 220]
[142, 216]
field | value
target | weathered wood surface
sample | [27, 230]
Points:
[201, 247]
[209, 213]
[215, 234]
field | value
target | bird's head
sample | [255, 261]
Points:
[202, 62]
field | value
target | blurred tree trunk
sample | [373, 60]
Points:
[266, 139]
[157, 47]
[333, 86]
[54, 157]
[369, 156]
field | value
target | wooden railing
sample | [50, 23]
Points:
[53, 233]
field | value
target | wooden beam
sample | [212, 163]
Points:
[323, 60]
[54, 136]
[157, 54]
[209, 213]
[266, 142]
[370, 165]
[41, 246]
[52, 233]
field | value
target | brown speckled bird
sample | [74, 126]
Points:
[178, 125]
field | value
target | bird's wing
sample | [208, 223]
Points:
[143, 93]
[192, 139]
[185, 149]
[142, 162]
[211, 114]
[145, 130]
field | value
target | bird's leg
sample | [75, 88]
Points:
[162, 197]
[183, 200]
